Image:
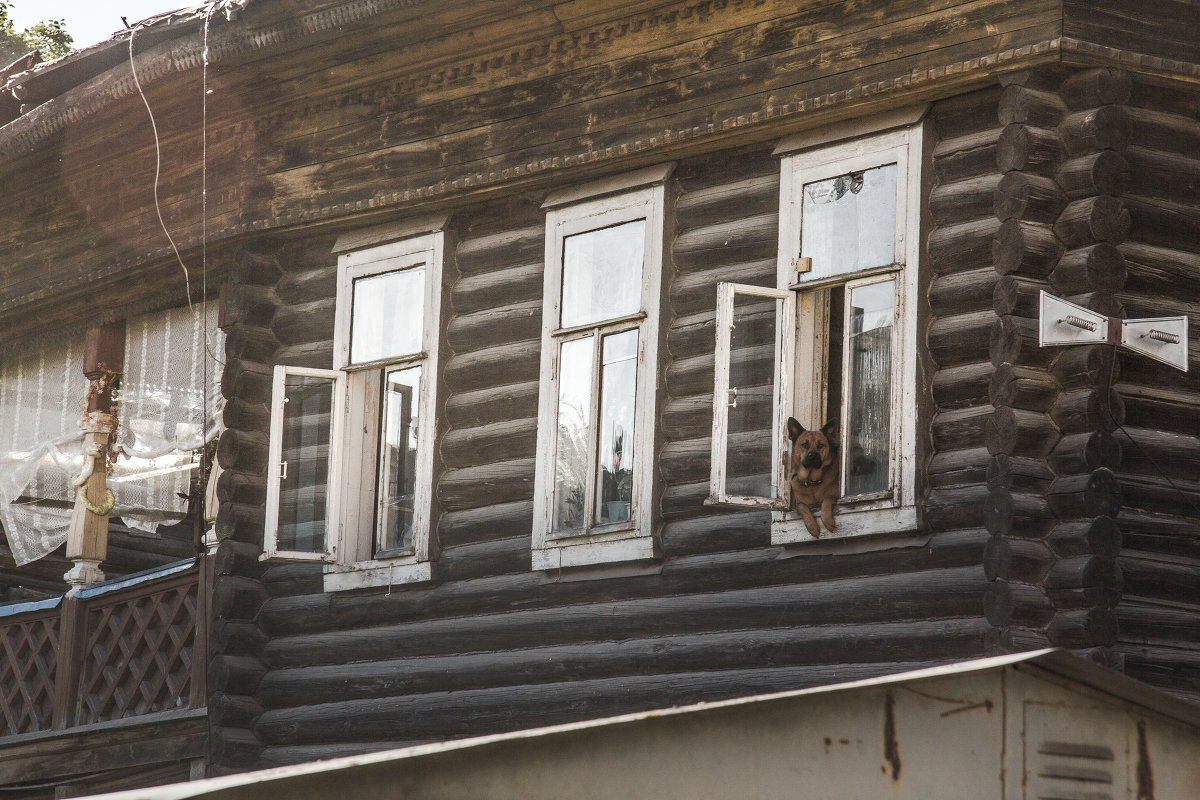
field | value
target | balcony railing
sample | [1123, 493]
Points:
[113, 650]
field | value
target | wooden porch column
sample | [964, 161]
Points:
[87, 539]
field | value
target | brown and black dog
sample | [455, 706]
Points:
[813, 467]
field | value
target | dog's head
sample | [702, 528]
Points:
[813, 458]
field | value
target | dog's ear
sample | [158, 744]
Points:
[830, 429]
[794, 429]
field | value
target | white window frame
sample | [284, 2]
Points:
[802, 375]
[639, 195]
[353, 560]
[897, 512]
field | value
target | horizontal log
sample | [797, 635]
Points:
[1157, 271]
[1017, 514]
[237, 598]
[488, 484]
[683, 500]
[1025, 105]
[1028, 197]
[1099, 574]
[716, 650]
[962, 386]
[233, 711]
[1148, 576]
[307, 285]
[485, 444]
[235, 637]
[1024, 560]
[498, 288]
[967, 156]
[1085, 366]
[498, 404]
[1017, 474]
[960, 428]
[1164, 130]
[1019, 432]
[1093, 219]
[1084, 453]
[960, 339]
[716, 533]
[962, 247]
[312, 355]
[305, 322]
[233, 749]
[260, 268]
[243, 451]
[749, 195]
[955, 507]
[512, 246]
[1103, 172]
[492, 367]
[1087, 410]
[965, 113]
[1157, 495]
[1165, 224]
[963, 200]
[1154, 407]
[1026, 248]
[295, 578]
[1003, 641]
[247, 381]
[249, 342]
[1024, 148]
[241, 415]
[1147, 623]
[237, 558]
[1012, 603]
[741, 240]
[696, 334]
[496, 556]
[249, 305]
[1096, 494]
[687, 417]
[882, 598]
[474, 525]
[956, 468]
[1097, 268]
[1093, 129]
[1154, 452]
[508, 324]
[237, 675]
[1019, 296]
[956, 292]
[238, 487]
[1088, 627]
[1101, 86]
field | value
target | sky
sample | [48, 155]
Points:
[90, 21]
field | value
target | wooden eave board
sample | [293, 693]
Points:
[1157, 28]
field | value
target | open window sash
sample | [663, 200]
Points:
[307, 407]
[755, 336]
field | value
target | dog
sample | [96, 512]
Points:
[813, 466]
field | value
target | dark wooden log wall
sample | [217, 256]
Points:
[490, 645]
[1156, 132]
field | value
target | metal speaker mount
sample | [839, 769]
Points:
[1163, 339]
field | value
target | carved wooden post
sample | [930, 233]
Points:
[87, 540]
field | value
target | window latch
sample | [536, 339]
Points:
[732, 398]
[283, 470]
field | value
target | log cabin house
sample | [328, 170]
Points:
[416, 314]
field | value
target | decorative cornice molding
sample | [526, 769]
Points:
[1139, 62]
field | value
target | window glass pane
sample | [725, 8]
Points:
[398, 458]
[387, 315]
[848, 223]
[574, 433]
[618, 388]
[602, 273]
[305, 463]
[867, 435]
[749, 452]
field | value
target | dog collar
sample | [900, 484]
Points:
[807, 484]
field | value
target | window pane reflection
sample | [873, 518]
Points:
[388, 312]
[871, 311]
[305, 463]
[848, 223]
[602, 273]
[618, 385]
[398, 458]
[750, 442]
[574, 433]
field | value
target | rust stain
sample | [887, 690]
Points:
[891, 748]
[1145, 774]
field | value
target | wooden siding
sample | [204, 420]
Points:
[490, 645]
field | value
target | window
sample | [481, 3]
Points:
[836, 340]
[352, 448]
[600, 328]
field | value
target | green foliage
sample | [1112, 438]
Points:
[49, 36]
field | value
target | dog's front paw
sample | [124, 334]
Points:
[827, 515]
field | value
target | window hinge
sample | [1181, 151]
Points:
[732, 398]
[283, 470]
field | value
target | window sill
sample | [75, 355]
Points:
[366, 574]
[587, 551]
[886, 527]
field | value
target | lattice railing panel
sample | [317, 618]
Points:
[28, 653]
[138, 655]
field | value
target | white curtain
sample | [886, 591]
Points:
[169, 405]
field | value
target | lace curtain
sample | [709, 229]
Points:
[169, 406]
